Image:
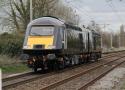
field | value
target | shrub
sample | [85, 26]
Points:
[10, 44]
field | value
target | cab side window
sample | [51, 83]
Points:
[62, 36]
[81, 40]
[62, 33]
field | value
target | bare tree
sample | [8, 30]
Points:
[19, 12]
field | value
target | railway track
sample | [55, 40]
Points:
[27, 77]
[5, 79]
[22, 79]
[64, 81]
[84, 87]
[105, 54]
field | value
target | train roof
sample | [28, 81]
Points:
[46, 21]
[50, 20]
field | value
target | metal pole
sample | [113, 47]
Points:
[119, 40]
[101, 41]
[31, 10]
[111, 40]
[101, 36]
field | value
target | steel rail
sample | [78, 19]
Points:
[99, 77]
[16, 76]
[55, 84]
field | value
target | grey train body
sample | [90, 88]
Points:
[71, 45]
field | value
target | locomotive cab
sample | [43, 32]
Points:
[44, 36]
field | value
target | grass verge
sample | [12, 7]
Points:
[14, 68]
[12, 65]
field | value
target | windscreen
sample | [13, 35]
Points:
[41, 30]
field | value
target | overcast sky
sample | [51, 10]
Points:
[101, 11]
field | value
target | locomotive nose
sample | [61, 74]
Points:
[40, 42]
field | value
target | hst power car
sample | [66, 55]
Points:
[52, 43]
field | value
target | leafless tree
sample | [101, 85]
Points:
[19, 14]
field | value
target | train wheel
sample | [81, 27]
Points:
[50, 65]
[35, 69]
[61, 65]
[87, 59]
[100, 55]
[80, 61]
[66, 61]
[96, 57]
[56, 65]
[72, 61]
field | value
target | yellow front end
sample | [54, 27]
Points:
[47, 41]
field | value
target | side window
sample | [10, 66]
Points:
[81, 40]
[62, 33]
[87, 40]
[94, 42]
[84, 40]
[98, 42]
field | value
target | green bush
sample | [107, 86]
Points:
[10, 44]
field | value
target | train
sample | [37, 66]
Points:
[53, 44]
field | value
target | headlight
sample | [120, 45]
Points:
[51, 47]
[26, 47]
[51, 56]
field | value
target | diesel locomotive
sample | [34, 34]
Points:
[52, 43]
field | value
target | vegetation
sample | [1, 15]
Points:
[19, 13]
[12, 65]
[10, 44]
[17, 68]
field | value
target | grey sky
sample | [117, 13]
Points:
[101, 11]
